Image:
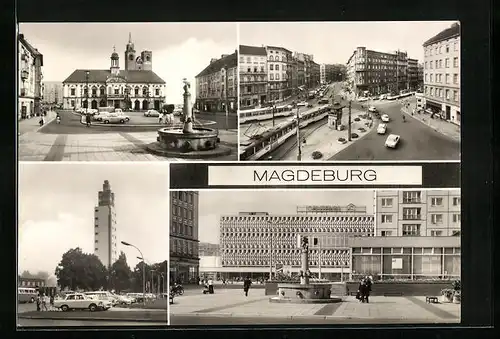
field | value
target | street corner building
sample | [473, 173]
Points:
[136, 87]
[29, 77]
[442, 74]
[184, 244]
[411, 234]
[372, 72]
[217, 85]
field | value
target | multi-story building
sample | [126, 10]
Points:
[31, 282]
[137, 87]
[52, 92]
[218, 84]
[257, 243]
[335, 72]
[253, 76]
[429, 213]
[279, 68]
[314, 79]
[420, 76]
[105, 226]
[322, 73]
[184, 250]
[372, 73]
[442, 73]
[29, 77]
[412, 74]
[206, 249]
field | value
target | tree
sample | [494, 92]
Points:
[78, 270]
[136, 281]
[169, 109]
[120, 274]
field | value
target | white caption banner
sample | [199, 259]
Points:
[313, 175]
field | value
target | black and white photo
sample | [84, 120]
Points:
[139, 92]
[92, 245]
[260, 257]
[358, 91]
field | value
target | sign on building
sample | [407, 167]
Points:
[397, 263]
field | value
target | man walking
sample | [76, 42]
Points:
[246, 285]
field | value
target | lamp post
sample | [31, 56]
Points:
[226, 106]
[143, 271]
[299, 149]
[87, 91]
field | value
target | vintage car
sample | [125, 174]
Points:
[392, 141]
[78, 301]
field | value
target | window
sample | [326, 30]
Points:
[271, 76]
[411, 230]
[447, 94]
[447, 48]
[430, 77]
[386, 202]
[426, 77]
[455, 233]
[456, 201]
[411, 213]
[412, 197]
[455, 95]
[431, 63]
[117, 91]
[157, 91]
[440, 49]
[277, 75]
[425, 66]
[456, 218]
[72, 103]
[96, 241]
[447, 78]
[436, 218]
[436, 201]
[72, 91]
[271, 67]
[455, 46]
[455, 62]
[386, 218]
[447, 62]
[436, 233]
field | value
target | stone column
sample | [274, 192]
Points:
[304, 280]
[188, 113]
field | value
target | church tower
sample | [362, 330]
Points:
[115, 65]
[130, 54]
[147, 60]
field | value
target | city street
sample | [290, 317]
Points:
[418, 140]
[230, 306]
[72, 141]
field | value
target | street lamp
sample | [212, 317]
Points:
[225, 96]
[143, 271]
[87, 90]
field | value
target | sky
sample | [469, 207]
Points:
[334, 42]
[56, 210]
[179, 50]
[214, 204]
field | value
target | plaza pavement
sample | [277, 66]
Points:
[32, 124]
[232, 303]
[118, 146]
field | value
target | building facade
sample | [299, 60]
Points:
[29, 78]
[206, 249]
[253, 76]
[31, 282]
[184, 243]
[335, 73]
[426, 213]
[442, 73]
[218, 84]
[279, 62]
[135, 88]
[52, 92]
[259, 244]
[105, 226]
[371, 72]
[413, 84]
[322, 73]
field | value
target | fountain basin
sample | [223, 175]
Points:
[304, 294]
[202, 142]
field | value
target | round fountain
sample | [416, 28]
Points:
[305, 292]
[189, 141]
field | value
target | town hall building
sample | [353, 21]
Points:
[136, 87]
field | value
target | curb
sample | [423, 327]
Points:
[434, 129]
[46, 123]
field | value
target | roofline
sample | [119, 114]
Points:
[427, 43]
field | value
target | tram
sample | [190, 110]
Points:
[266, 113]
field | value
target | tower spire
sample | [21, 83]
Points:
[129, 37]
[114, 49]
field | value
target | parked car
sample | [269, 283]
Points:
[385, 118]
[382, 97]
[372, 109]
[151, 113]
[361, 99]
[113, 118]
[105, 301]
[392, 141]
[105, 296]
[78, 301]
[382, 128]
[302, 103]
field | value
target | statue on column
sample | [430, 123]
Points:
[305, 243]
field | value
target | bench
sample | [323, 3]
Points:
[431, 300]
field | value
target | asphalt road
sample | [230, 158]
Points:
[418, 141]
[70, 124]
[89, 323]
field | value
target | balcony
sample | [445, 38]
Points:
[412, 217]
[412, 201]
[116, 96]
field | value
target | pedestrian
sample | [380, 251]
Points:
[44, 302]
[246, 285]
[38, 302]
[210, 286]
[368, 288]
[52, 301]
[87, 119]
[160, 118]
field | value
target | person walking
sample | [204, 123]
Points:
[368, 288]
[246, 285]
[38, 302]
[87, 119]
[52, 301]
[210, 286]
[160, 118]
[44, 302]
